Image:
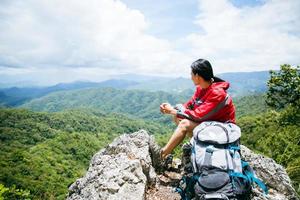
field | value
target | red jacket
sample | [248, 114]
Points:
[210, 104]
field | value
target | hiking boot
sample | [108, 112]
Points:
[186, 158]
[155, 151]
[167, 162]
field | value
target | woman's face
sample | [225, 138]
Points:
[197, 80]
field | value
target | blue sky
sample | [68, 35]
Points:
[51, 41]
[168, 19]
[172, 19]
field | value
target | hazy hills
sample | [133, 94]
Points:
[15, 96]
[134, 103]
[242, 83]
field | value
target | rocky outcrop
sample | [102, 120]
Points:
[273, 174]
[120, 171]
[126, 169]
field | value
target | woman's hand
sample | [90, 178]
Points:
[166, 108]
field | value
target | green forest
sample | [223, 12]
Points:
[135, 103]
[44, 153]
[48, 142]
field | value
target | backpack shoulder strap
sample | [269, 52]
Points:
[250, 176]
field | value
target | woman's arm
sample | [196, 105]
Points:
[166, 108]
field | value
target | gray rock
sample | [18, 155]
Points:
[120, 171]
[273, 174]
[126, 170]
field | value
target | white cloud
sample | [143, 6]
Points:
[96, 33]
[247, 38]
[79, 39]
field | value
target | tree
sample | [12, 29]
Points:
[284, 87]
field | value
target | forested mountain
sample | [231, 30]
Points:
[44, 152]
[245, 83]
[171, 85]
[250, 105]
[6, 101]
[16, 96]
[242, 83]
[137, 103]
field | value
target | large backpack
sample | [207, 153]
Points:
[215, 169]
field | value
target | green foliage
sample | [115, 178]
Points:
[45, 152]
[2, 191]
[50, 166]
[271, 135]
[284, 87]
[133, 103]
[13, 193]
[277, 133]
[250, 105]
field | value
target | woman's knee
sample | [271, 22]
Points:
[188, 126]
[176, 120]
[184, 124]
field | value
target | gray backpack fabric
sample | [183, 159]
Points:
[213, 166]
[216, 145]
[215, 153]
[217, 170]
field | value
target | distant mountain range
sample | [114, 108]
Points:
[242, 83]
[133, 103]
[15, 96]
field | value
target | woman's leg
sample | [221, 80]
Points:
[185, 127]
[176, 120]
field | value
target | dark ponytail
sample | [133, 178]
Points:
[217, 79]
[203, 68]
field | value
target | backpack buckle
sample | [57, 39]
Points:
[210, 149]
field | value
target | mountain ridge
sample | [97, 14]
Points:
[242, 83]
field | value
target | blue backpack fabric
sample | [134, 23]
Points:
[213, 165]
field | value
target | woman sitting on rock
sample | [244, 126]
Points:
[210, 102]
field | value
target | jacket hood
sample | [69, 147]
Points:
[223, 85]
